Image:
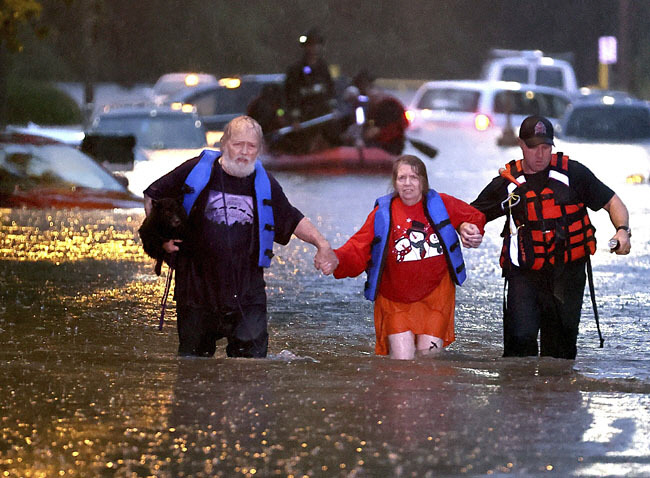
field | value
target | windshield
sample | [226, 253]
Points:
[449, 99]
[52, 166]
[609, 123]
[526, 103]
[156, 132]
[225, 100]
[515, 73]
[547, 76]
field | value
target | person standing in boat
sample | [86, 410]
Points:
[385, 116]
[410, 248]
[310, 93]
[236, 212]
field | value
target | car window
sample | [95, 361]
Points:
[155, 132]
[515, 73]
[449, 99]
[527, 103]
[225, 100]
[609, 123]
[548, 76]
[54, 166]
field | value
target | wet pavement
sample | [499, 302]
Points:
[91, 387]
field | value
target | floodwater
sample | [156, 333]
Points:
[91, 387]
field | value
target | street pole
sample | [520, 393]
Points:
[623, 70]
[89, 25]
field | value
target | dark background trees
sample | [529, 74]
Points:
[128, 42]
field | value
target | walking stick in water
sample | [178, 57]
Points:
[163, 302]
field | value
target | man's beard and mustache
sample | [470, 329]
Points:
[235, 168]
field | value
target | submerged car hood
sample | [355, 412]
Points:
[81, 198]
[612, 163]
[152, 164]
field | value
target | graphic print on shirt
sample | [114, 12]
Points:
[416, 241]
[240, 208]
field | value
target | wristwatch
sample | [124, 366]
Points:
[626, 229]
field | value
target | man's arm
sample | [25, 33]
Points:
[620, 217]
[148, 204]
[325, 259]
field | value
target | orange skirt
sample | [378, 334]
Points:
[433, 315]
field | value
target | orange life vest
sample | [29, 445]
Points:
[546, 228]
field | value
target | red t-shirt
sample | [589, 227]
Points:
[415, 262]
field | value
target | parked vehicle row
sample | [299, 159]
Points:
[593, 128]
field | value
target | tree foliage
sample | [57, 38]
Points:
[128, 42]
[13, 15]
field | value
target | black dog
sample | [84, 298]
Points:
[167, 220]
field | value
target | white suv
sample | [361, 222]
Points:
[482, 105]
[532, 67]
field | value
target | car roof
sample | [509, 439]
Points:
[142, 110]
[180, 76]
[485, 85]
[25, 138]
[610, 101]
[256, 79]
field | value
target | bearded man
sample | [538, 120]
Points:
[236, 212]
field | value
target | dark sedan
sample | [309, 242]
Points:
[610, 135]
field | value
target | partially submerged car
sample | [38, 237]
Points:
[41, 172]
[609, 135]
[164, 138]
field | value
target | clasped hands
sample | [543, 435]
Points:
[325, 260]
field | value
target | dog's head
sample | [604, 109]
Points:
[170, 212]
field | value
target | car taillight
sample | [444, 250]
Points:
[482, 122]
[409, 115]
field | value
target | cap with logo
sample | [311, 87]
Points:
[536, 130]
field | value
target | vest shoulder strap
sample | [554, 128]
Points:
[199, 177]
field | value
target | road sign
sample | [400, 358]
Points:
[607, 50]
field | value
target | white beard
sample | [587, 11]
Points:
[237, 169]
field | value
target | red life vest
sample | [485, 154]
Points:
[546, 228]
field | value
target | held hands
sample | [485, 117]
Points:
[470, 235]
[325, 260]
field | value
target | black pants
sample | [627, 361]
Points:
[245, 329]
[548, 303]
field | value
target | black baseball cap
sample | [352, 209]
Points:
[536, 130]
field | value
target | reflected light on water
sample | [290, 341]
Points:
[65, 235]
[618, 442]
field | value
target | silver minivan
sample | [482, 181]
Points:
[482, 105]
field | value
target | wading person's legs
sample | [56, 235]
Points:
[428, 344]
[402, 346]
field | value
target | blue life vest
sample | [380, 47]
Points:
[437, 215]
[198, 179]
